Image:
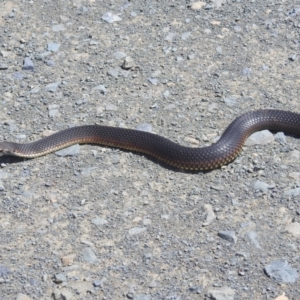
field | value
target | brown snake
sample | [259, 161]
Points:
[222, 152]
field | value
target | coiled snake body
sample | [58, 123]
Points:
[222, 152]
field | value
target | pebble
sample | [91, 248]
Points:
[22, 297]
[88, 255]
[197, 5]
[293, 229]
[58, 28]
[128, 63]
[261, 186]
[59, 278]
[111, 107]
[28, 64]
[113, 72]
[136, 230]
[231, 100]
[228, 235]
[292, 193]
[153, 81]
[144, 127]
[3, 66]
[280, 137]
[110, 17]
[142, 297]
[52, 87]
[281, 271]
[1, 186]
[53, 47]
[224, 293]
[100, 88]
[260, 138]
[252, 235]
[119, 55]
[68, 260]
[99, 221]
[69, 151]
[63, 294]
[210, 215]
[186, 35]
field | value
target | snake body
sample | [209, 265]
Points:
[222, 152]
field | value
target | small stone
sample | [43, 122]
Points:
[292, 193]
[100, 88]
[261, 186]
[228, 236]
[111, 107]
[231, 100]
[293, 229]
[119, 55]
[69, 151]
[153, 81]
[136, 230]
[59, 278]
[52, 87]
[144, 127]
[210, 215]
[142, 297]
[224, 293]
[3, 66]
[113, 72]
[252, 235]
[280, 137]
[99, 221]
[197, 5]
[53, 47]
[110, 18]
[128, 63]
[50, 63]
[58, 27]
[281, 271]
[23, 297]
[68, 259]
[88, 255]
[28, 64]
[186, 35]
[260, 138]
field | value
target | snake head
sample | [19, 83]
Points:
[7, 148]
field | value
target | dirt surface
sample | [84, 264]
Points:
[103, 223]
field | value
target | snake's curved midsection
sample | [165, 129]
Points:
[225, 150]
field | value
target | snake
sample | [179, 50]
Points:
[220, 153]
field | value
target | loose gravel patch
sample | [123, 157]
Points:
[99, 223]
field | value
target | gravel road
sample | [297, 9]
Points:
[98, 223]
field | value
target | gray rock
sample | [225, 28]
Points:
[144, 127]
[228, 235]
[58, 27]
[224, 293]
[136, 230]
[210, 215]
[166, 94]
[52, 87]
[59, 278]
[153, 81]
[293, 229]
[260, 138]
[113, 72]
[231, 100]
[292, 193]
[142, 297]
[62, 295]
[111, 107]
[100, 88]
[110, 17]
[128, 63]
[3, 66]
[119, 55]
[4, 271]
[1, 186]
[261, 186]
[99, 283]
[88, 255]
[28, 64]
[252, 235]
[53, 47]
[69, 151]
[280, 137]
[50, 63]
[99, 221]
[281, 271]
[186, 35]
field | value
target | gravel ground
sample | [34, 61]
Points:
[101, 223]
